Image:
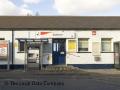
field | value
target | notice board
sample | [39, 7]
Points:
[3, 49]
[96, 48]
[71, 45]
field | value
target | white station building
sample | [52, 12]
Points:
[85, 42]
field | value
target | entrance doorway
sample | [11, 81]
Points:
[33, 53]
[117, 54]
[59, 51]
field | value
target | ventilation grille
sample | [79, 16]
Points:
[97, 58]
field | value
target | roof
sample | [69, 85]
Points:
[60, 22]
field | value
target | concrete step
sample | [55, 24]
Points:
[33, 65]
[52, 68]
[60, 68]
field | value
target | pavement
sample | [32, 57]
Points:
[36, 73]
[14, 74]
[113, 72]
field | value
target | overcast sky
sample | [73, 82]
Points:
[60, 7]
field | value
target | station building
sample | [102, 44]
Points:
[85, 42]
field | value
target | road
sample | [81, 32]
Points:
[62, 82]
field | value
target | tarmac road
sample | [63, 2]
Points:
[62, 82]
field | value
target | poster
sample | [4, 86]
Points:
[96, 49]
[71, 45]
[3, 49]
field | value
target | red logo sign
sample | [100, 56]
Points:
[93, 32]
[44, 33]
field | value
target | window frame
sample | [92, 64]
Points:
[2, 38]
[87, 46]
[21, 51]
[110, 45]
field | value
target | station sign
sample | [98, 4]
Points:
[55, 34]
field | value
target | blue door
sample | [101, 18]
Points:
[59, 51]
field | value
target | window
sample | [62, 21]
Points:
[21, 45]
[82, 44]
[106, 44]
[2, 38]
[47, 47]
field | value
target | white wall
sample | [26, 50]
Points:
[71, 58]
[88, 58]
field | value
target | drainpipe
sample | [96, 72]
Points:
[41, 55]
[12, 47]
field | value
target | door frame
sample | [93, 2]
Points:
[52, 51]
[118, 53]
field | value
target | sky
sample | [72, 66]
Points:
[60, 7]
